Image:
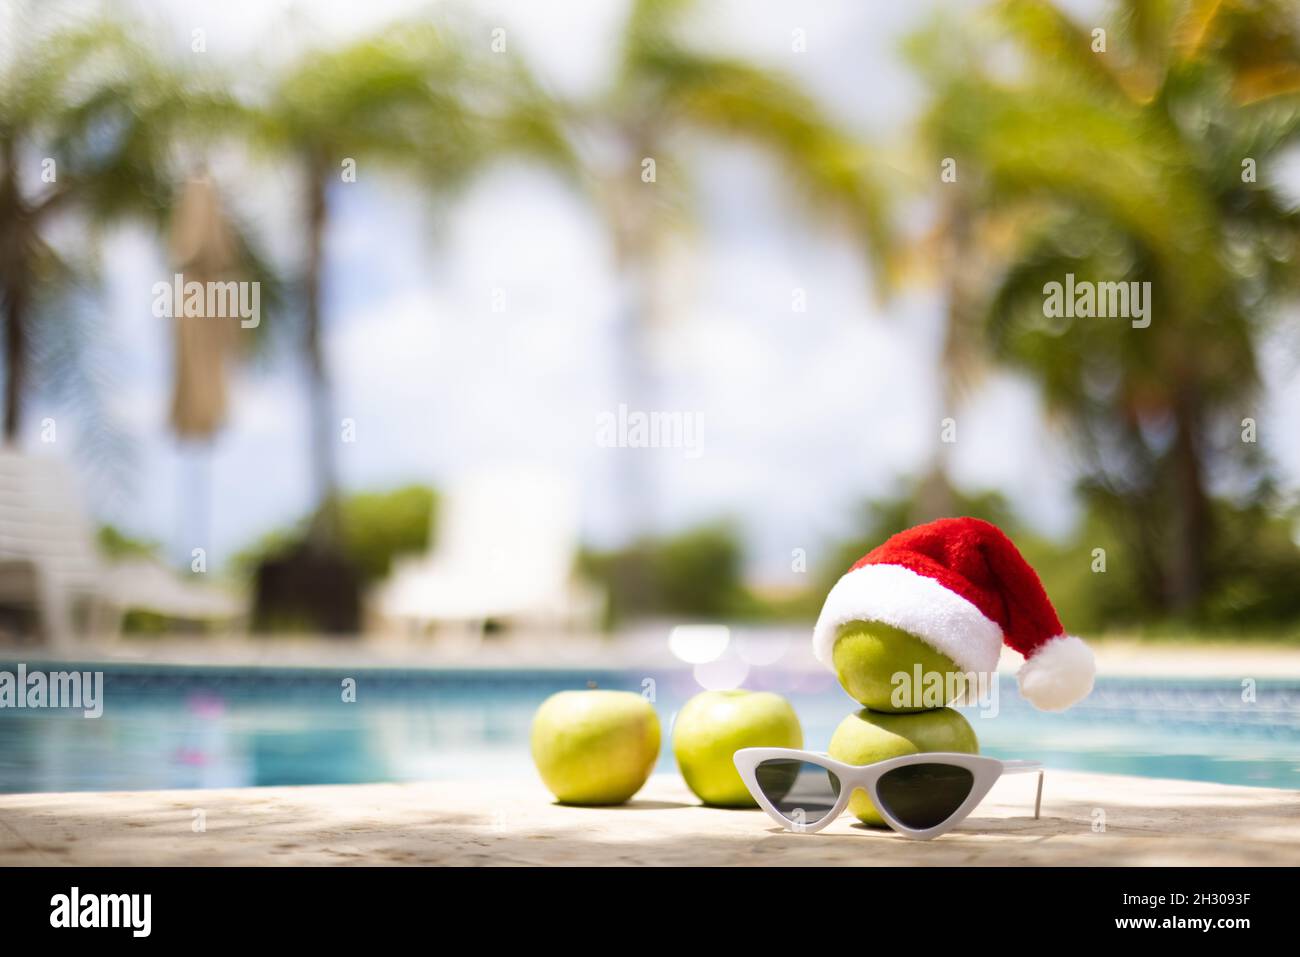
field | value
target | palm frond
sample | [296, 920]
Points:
[738, 100]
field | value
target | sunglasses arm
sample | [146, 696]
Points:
[1024, 767]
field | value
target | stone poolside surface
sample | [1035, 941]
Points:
[1147, 822]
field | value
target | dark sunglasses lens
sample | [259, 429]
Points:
[922, 796]
[803, 792]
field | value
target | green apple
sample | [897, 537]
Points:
[867, 655]
[595, 747]
[714, 725]
[867, 736]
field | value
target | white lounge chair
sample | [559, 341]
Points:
[48, 561]
[50, 564]
[505, 548]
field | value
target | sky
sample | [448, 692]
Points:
[803, 415]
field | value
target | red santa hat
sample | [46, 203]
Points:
[961, 586]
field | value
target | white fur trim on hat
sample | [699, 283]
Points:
[1058, 674]
[898, 596]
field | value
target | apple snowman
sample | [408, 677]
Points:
[924, 611]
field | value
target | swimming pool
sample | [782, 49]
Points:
[175, 727]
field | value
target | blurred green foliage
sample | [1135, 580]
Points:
[1257, 567]
[375, 528]
[698, 572]
[114, 544]
[1093, 577]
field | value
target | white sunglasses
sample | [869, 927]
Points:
[919, 795]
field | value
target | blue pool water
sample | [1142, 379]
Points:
[167, 727]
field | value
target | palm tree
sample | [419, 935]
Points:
[86, 114]
[416, 98]
[1129, 165]
[664, 90]
[95, 125]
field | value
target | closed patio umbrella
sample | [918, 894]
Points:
[204, 248]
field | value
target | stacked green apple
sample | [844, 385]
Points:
[878, 666]
[599, 747]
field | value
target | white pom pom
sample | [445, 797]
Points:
[1058, 674]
